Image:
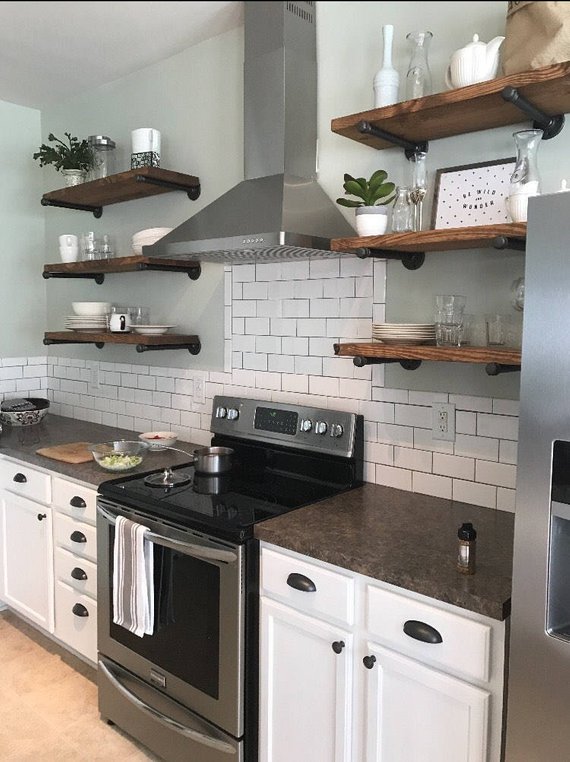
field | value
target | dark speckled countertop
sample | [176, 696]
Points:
[405, 539]
[21, 442]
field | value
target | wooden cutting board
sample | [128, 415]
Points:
[74, 452]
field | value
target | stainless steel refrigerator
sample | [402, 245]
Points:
[538, 714]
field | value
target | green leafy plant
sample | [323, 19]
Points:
[373, 192]
[75, 154]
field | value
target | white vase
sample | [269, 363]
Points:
[387, 79]
[73, 176]
[371, 220]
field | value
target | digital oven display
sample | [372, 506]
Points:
[281, 421]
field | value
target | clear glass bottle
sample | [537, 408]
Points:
[402, 212]
[418, 187]
[418, 78]
[467, 538]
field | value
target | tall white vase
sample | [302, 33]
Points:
[387, 79]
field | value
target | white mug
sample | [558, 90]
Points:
[145, 140]
[69, 253]
[120, 322]
[68, 241]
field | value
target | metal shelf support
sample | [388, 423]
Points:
[193, 348]
[193, 272]
[496, 368]
[193, 193]
[550, 125]
[410, 149]
[360, 362]
[412, 260]
[97, 210]
[506, 242]
[98, 344]
[97, 277]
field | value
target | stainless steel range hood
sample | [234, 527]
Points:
[279, 210]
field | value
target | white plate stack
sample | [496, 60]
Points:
[404, 333]
[93, 323]
[147, 238]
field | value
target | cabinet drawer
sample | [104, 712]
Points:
[333, 593]
[464, 646]
[76, 620]
[75, 500]
[78, 573]
[75, 536]
[23, 480]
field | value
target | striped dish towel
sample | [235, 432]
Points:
[133, 578]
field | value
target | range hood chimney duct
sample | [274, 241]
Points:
[279, 210]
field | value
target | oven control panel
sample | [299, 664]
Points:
[332, 431]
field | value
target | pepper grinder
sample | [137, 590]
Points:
[467, 537]
[387, 79]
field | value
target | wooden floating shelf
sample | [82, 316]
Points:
[463, 110]
[123, 186]
[466, 354]
[143, 343]
[447, 239]
[96, 269]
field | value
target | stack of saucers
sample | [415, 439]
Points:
[404, 333]
[94, 323]
[147, 238]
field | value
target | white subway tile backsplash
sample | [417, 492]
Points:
[354, 389]
[322, 385]
[465, 422]
[356, 308]
[427, 398]
[242, 343]
[508, 451]
[296, 270]
[269, 271]
[254, 291]
[268, 344]
[309, 365]
[295, 308]
[324, 268]
[396, 435]
[506, 499]
[270, 309]
[477, 404]
[499, 474]
[364, 287]
[413, 415]
[377, 452]
[378, 411]
[398, 478]
[311, 327]
[282, 327]
[477, 447]
[242, 273]
[297, 345]
[281, 363]
[415, 460]
[253, 361]
[295, 383]
[353, 266]
[506, 407]
[500, 426]
[430, 484]
[244, 308]
[477, 494]
[325, 307]
[257, 326]
[339, 288]
[452, 465]
[424, 440]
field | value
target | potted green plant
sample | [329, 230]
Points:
[371, 203]
[73, 158]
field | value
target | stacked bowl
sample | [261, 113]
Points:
[147, 238]
[89, 316]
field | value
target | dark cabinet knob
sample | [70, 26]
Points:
[42, 516]
[20, 478]
[78, 573]
[77, 537]
[300, 582]
[77, 502]
[422, 631]
[80, 610]
[337, 646]
[369, 661]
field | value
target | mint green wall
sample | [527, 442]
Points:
[22, 302]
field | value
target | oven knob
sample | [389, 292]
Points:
[336, 430]
[306, 424]
[320, 427]
[233, 414]
[221, 412]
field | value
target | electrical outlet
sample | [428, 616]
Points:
[443, 421]
[94, 380]
[199, 390]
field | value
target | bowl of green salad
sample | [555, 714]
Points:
[119, 456]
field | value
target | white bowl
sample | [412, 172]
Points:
[152, 330]
[90, 309]
[151, 234]
[158, 440]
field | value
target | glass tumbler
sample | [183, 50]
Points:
[449, 309]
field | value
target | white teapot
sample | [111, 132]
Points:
[476, 62]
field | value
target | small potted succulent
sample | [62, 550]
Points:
[371, 203]
[73, 158]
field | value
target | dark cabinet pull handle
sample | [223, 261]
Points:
[77, 537]
[369, 661]
[422, 631]
[78, 573]
[337, 646]
[80, 610]
[20, 478]
[42, 516]
[302, 583]
[77, 502]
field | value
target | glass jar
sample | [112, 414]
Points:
[418, 78]
[103, 149]
[402, 212]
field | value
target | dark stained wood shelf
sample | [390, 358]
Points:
[504, 356]
[143, 343]
[123, 186]
[447, 239]
[96, 269]
[463, 110]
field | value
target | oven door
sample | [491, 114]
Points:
[196, 653]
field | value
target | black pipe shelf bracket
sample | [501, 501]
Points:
[410, 148]
[496, 368]
[507, 242]
[412, 260]
[193, 192]
[361, 362]
[97, 277]
[193, 347]
[48, 342]
[550, 125]
[97, 210]
[193, 271]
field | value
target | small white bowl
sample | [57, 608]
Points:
[90, 309]
[159, 440]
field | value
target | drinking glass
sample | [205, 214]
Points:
[474, 330]
[139, 315]
[498, 329]
[449, 309]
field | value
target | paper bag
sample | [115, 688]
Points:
[537, 34]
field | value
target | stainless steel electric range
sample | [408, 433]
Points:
[189, 690]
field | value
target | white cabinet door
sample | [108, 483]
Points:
[417, 714]
[305, 688]
[27, 558]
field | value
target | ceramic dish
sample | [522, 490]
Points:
[91, 309]
[151, 330]
[23, 412]
[159, 440]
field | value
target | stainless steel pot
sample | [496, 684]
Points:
[213, 460]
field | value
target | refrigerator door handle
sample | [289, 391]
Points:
[422, 631]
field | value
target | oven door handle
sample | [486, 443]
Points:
[195, 735]
[197, 551]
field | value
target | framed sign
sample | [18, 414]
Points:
[474, 194]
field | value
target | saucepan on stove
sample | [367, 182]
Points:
[210, 460]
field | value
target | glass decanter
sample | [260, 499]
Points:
[418, 187]
[526, 178]
[418, 78]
